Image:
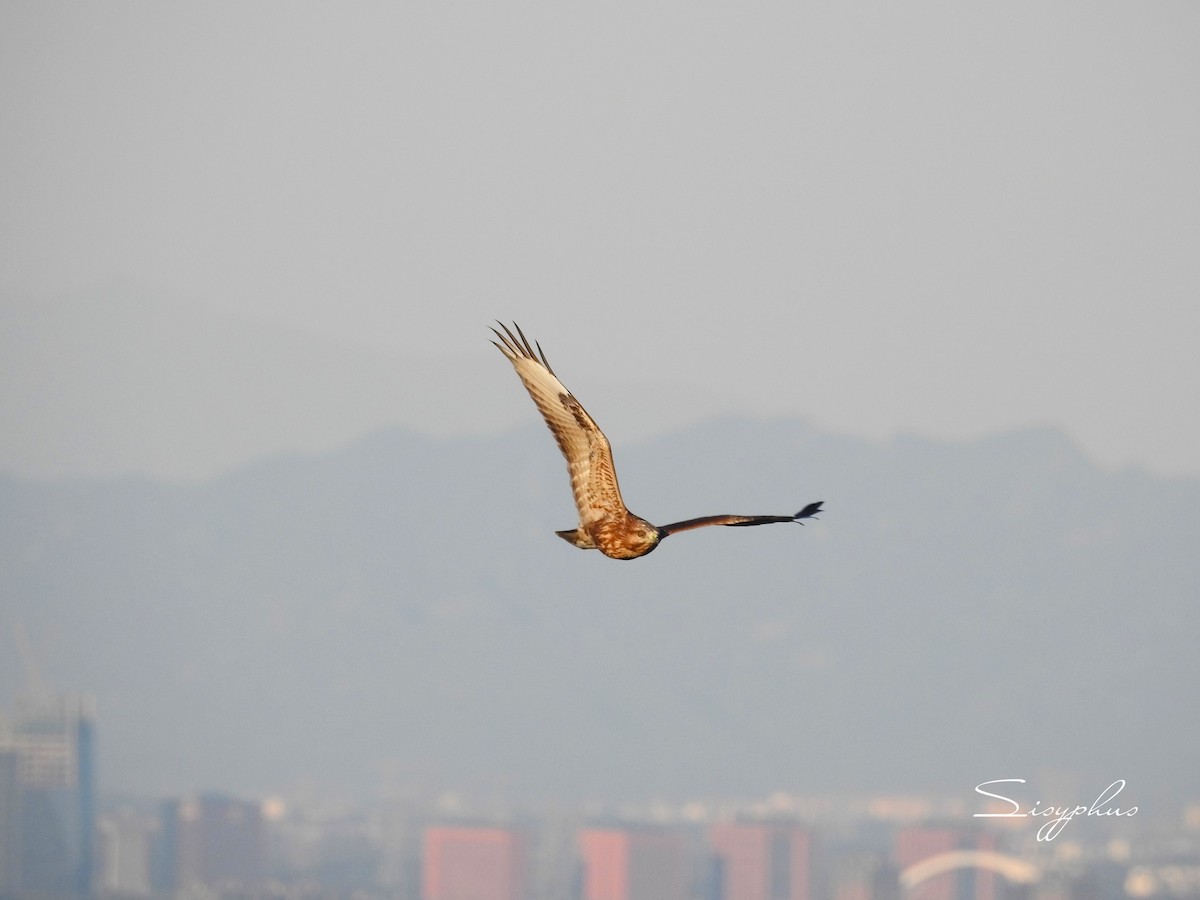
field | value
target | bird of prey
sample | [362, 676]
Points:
[605, 523]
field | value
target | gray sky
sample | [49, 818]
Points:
[943, 218]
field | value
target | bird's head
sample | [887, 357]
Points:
[641, 536]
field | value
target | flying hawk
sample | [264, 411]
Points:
[605, 523]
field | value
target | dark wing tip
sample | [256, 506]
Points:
[509, 347]
[519, 345]
[810, 511]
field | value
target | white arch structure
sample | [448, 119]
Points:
[1015, 870]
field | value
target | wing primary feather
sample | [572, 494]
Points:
[525, 342]
[511, 340]
[809, 512]
[519, 338]
[545, 362]
[508, 349]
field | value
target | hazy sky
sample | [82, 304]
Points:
[945, 218]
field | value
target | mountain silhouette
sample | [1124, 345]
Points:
[960, 613]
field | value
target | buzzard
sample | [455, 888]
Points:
[605, 523]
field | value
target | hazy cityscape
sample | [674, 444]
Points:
[61, 836]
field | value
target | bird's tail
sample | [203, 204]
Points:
[578, 538]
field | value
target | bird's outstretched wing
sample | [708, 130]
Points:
[809, 512]
[588, 455]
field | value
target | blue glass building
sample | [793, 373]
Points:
[51, 750]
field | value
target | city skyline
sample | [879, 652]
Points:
[781, 847]
[877, 849]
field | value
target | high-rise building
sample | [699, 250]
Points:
[48, 765]
[862, 876]
[918, 843]
[10, 819]
[633, 864]
[473, 863]
[124, 842]
[209, 841]
[762, 861]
